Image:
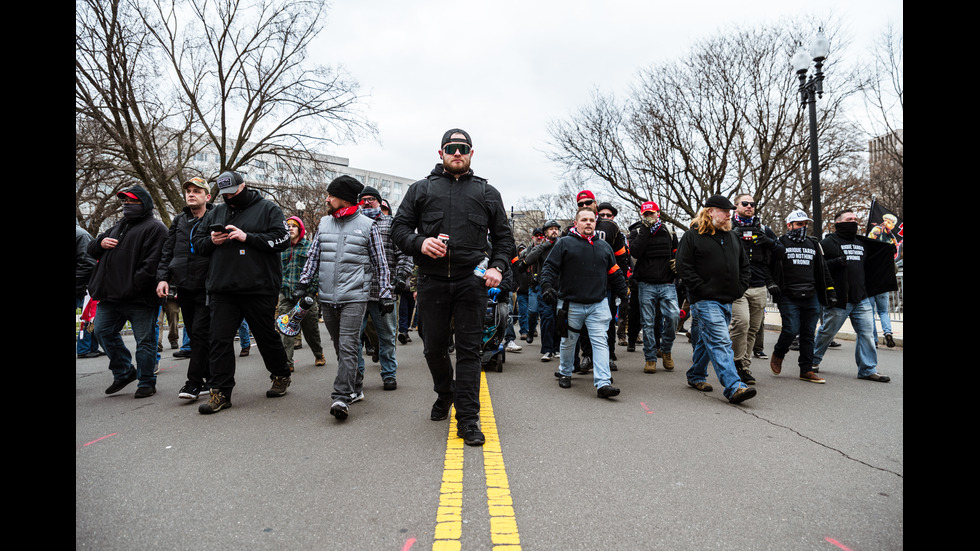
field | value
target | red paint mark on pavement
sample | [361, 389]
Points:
[408, 544]
[838, 544]
[97, 439]
[648, 410]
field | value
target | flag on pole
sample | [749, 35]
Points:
[884, 225]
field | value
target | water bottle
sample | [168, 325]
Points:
[481, 268]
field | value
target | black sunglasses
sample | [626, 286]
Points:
[586, 203]
[748, 204]
[451, 148]
[604, 215]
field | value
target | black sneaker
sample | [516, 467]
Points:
[182, 354]
[471, 435]
[216, 403]
[745, 375]
[607, 391]
[761, 354]
[631, 348]
[564, 381]
[530, 337]
[612, 366]
[834, 344]
[116, 386]
[190, 391]
[390, 383]
[889, 340]
[339, 410]
[440, 410]
[145, 391]
[403, 338]
[279, 386]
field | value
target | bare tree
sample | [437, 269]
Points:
[145, 130]
[243, 68]
[723, 119]
[885, 101]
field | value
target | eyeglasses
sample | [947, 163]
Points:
[609, 216]
[586, 203]
[371, 200]
[748, 204]
[452, 148]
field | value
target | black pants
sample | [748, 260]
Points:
[197, 324]
[227, 312]
[447, 306]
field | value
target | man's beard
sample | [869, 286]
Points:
[457, 171]
[723, 225]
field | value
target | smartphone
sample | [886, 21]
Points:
[218, 228]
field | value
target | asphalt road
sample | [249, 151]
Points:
[662, 466]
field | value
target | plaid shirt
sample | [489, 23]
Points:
[293, 260]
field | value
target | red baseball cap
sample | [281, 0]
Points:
[584, 194]
[649, 206]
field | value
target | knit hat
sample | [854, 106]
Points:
[369, 192]
[345, 188]
[302, 228]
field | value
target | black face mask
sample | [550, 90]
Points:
[847, 230]
[237, 201]
[132, 210]
[797, 235]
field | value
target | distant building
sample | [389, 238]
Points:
[886, 154]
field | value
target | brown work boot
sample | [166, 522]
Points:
[668, 362]
[650, 366]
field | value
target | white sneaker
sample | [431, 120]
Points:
[547, 357]
[513, 347]
[356, 397]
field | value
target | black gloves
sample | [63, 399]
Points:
[550, 296]
[299, 292]
[386, 306]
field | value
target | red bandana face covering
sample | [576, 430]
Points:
[347, 211]
[589, 238]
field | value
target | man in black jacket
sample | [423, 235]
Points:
[654, 247]
[243, 238]
[803, 284]
[715, 269]
[749, 311]
[579, 271]
[861, 268]
[535, 257]
[124, 283]
[184, 272]
[455, 212]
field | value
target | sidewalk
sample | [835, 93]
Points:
[846, 333]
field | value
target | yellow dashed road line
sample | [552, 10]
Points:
[449, 519]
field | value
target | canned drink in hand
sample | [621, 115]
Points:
[444, 237]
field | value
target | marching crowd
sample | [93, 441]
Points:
[448, 245]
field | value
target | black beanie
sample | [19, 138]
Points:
[369, 192]
[346, 188]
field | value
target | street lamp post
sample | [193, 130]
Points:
[810, 90]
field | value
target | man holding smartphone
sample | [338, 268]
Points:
[247, 235]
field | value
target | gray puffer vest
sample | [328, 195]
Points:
[345, 261]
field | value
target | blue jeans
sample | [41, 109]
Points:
[711, 340]
[595, 318]
[109, 321]
[385, 327]
[862, 320]
[664, 296]
[880, 304]
[522, 301]
[243, 335]
[406, 307]
[534, 307]
[799, 317]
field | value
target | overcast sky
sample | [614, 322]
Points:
[503, 69]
